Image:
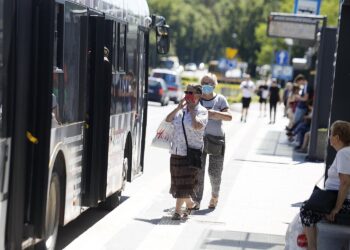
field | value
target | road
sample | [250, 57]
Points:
[261, 190]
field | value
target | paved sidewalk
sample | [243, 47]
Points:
[263, 184]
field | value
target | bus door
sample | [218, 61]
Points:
[39, 118]
[141, 106]
[6, 98]
[95, 157]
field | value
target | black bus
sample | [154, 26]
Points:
[73, 107]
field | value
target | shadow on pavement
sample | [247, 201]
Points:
[242, 240]
[74, 229]
[165, 220]
[203, 211]
[298, 204]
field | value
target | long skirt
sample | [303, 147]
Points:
[184, 180]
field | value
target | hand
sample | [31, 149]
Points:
[332, 214]
[181, 104]
[211, 114]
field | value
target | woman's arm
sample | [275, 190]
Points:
[171, 115]
[224, 115]
[196, 123]
[343, 191]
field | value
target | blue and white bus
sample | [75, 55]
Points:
[73, 107]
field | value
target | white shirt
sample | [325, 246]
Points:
[341, 164]
[194, 137]
[247, 88]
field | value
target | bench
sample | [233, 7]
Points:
[333, 236]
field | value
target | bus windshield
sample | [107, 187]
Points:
[167, 64]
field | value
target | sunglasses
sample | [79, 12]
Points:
[189, 92]
[207, 83]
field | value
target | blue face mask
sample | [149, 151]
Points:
[207, 89]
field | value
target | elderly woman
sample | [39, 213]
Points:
[194, 117]
[338, 179]
[218, 111]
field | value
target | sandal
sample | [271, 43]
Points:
[176, 216]
[195, 207]
[213, 203]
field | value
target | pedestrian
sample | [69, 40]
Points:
[263, 95]
[338, 179]
[184, 178]
[274, 98]
[286, 93]
[218, 111]
[248, 88]
[303, 99]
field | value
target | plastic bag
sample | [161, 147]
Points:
[164, 135]
[295, 237]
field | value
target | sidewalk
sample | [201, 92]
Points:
[263, 184]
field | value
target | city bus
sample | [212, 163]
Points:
[73, 110]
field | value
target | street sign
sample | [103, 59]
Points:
[231, 53]
[225, 64]
[282, 72]
[294, 26]
[307, 7]
[282, 57]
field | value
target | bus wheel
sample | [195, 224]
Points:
[52, 212]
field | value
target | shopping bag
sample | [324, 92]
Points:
[295, 237]
[164, 135]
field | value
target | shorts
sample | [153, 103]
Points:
[262, 100]
[246, 101]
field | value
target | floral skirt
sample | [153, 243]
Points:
[310, 218]
[184, 180]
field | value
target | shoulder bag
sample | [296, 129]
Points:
[214, 145]
[194, 156]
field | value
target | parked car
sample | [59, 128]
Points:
[158, 91]
[173, 82]
[190, 67]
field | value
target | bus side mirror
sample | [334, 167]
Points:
[163, 41]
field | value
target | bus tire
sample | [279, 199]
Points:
[52, 213]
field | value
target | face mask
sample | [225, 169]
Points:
[190, 98]
[207, 89]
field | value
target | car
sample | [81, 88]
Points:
[190, 67]
[173, 82]
[158, 91]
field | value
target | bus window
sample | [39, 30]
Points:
[58, 37]
[69, 90]
[121, 47]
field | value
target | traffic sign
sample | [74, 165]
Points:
[307, 7]
[225, 64]
[231, 53]
[282, 57]
[282, 72]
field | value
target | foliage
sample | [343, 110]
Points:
[201, 29]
